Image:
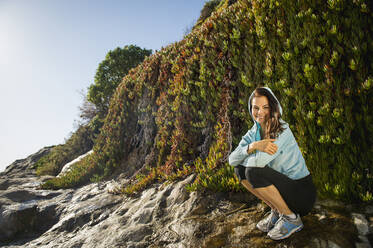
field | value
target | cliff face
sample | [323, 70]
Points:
[185, 107]
[165, 215]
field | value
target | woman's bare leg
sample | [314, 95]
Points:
[250, 188]
[270, 195]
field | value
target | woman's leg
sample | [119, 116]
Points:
[273, 196]
[298, 195]
[261, 183]
[270, 195]
[243, 175]
[287, 196]
[250, 188]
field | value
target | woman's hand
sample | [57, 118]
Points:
[265, 145]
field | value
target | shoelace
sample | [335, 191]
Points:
[275, 213]
[270, 212]
[278, 224]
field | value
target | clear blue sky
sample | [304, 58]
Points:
[50, 50]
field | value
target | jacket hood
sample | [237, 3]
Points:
[270, 91]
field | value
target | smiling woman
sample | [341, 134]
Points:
[266, 112]
[50, 51]
[269, 164]
[260, 109]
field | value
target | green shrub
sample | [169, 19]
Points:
[314, 55]
[79, 143]
[80, 172]
[208, 8]
[110, 72]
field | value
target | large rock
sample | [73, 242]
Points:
[23, 167]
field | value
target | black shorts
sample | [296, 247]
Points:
[299, 195]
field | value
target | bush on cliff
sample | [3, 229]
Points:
[109, 74]
[80, 142]
[315, 55]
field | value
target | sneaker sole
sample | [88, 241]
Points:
[289, 233]
[262, 229]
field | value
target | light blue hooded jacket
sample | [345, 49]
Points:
[288, 159]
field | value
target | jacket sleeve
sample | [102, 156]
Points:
[240, 153]
[261, 159]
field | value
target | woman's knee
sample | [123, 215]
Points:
[240, 172]
[253, 172]
[257, 176]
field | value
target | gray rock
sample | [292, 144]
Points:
[164, 215]
[363, 245]
[25, 166]
[320, 243]
[364, 242]
[317, 243]
[331, 244]
[361, 223]
[330, 203]
[369, 209]
[17, 219]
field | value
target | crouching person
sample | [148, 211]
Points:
[270, 165]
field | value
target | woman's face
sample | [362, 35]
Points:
[260, 109]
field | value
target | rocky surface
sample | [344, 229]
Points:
[165, 215]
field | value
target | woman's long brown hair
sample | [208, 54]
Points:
[274, 126]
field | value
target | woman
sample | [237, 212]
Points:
[269, 164]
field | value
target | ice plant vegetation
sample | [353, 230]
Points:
[185, 106]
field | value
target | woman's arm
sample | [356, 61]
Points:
[242, 151]
[262, 158]
[265, 145]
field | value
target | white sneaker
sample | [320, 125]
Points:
[266, 224]
[285, 227]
